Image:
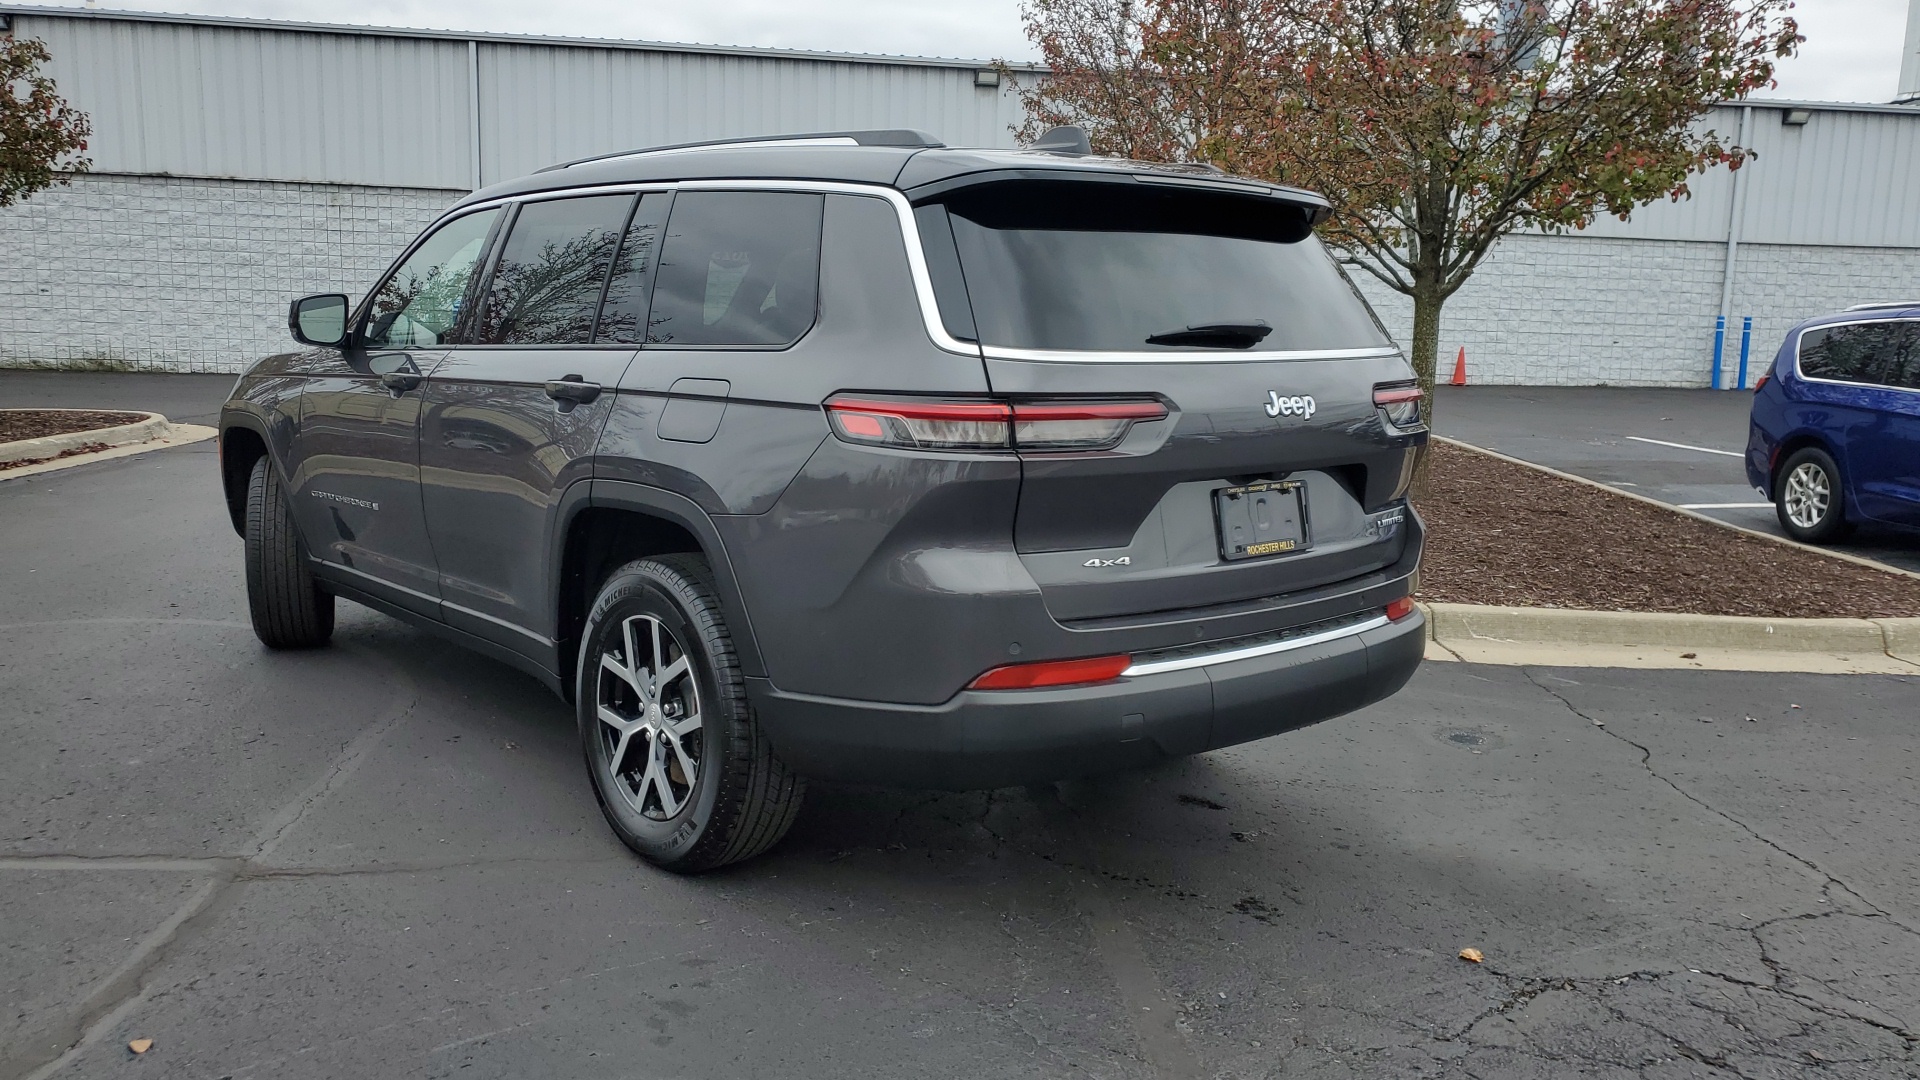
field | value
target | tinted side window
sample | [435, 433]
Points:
[1886, 353]
[1904, 370]
[625, 310]
[546, 286]
[419, 305]
[737, 268]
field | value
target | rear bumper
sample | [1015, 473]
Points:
[988, 739]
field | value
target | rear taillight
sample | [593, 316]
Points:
[925, 425]
[1400, 608]
[1762, 380]
[988, 425]
[1400, 402]
[1052, 673]
[1085, 426]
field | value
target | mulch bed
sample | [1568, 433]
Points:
[1500, 533]
[17, 424]
[85, 448]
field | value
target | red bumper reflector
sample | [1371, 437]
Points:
[1400, 608]
[1052, 673]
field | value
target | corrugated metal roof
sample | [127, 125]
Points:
[1848, 177]
[236, 22]
[289, 101]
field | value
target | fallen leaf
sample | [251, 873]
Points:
[140, 1046]
[1473, 954]
[1688, 655]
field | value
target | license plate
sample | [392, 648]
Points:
[1261, 519]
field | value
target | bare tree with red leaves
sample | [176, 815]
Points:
[1436, 126]
[40, 134]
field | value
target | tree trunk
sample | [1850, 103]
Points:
[1427, 302]
[1426, 334]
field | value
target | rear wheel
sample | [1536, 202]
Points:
[1809, 497]
[289, 609]
[678, 762]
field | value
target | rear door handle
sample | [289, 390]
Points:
[573, 390]
[399, 381]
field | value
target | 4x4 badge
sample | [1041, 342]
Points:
[1303, 407]
[1124, 560]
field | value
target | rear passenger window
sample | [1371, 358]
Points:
[1881, 353]
[547, 285]
[737, 268]
[626, 306]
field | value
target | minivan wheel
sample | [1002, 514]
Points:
[1809, 497]
[679, 765]
[289, 609]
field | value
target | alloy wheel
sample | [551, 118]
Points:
[648, 702]
[1809, 493]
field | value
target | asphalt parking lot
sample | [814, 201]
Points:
[382, 859]
[1679, 446]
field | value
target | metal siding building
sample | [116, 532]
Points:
[239, 163]
[399, 108]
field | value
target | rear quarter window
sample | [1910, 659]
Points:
[1123, 268]
[1879, 353]
[737, 268]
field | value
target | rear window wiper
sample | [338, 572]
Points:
[1216, 336]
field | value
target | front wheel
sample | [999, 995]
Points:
[1809, 497]
[289, 609]
[679, 765]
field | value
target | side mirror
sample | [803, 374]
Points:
[319, 320]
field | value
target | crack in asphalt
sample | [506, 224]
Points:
[113, 998]
[1646, 762]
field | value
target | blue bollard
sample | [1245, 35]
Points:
[1746, 342]
[1719, 343]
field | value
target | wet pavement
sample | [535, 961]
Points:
[383, 859]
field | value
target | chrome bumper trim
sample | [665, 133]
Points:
[1183, 663]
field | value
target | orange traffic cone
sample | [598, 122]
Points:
[1460, 368]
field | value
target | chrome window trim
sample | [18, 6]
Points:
[923, 278]
[1075, 356]
[1185, 663]
[1804, 377]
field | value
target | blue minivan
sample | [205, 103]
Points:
[1835, 439]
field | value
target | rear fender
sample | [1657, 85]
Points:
[677, 510]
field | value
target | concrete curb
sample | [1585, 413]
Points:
[155, 426]
[177, 435]
[1572, 638]
[1669, 507]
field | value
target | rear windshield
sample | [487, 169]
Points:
[1124, 267]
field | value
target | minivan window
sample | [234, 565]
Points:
[737, 268]
[626, 304]
[545, 288]
[1129, 268]
[419, 305]
[1886, 353]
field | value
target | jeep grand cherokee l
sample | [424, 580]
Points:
[854, 457]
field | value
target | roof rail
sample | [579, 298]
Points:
[901, 137]
[1885, 304]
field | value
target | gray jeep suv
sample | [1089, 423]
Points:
[854, 457]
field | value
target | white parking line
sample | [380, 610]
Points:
[1725, 506]
[1684, 446]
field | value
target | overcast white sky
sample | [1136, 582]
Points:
[1852, 51]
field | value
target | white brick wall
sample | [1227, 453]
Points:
[188, 275]
[195, 275]
[1582, 310]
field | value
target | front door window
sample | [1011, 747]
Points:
[419, 306]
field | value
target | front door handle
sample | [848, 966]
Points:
[399, 381]
[572, 390]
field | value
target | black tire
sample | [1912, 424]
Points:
[741, 799]
[1797, 495]
[289, 609]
